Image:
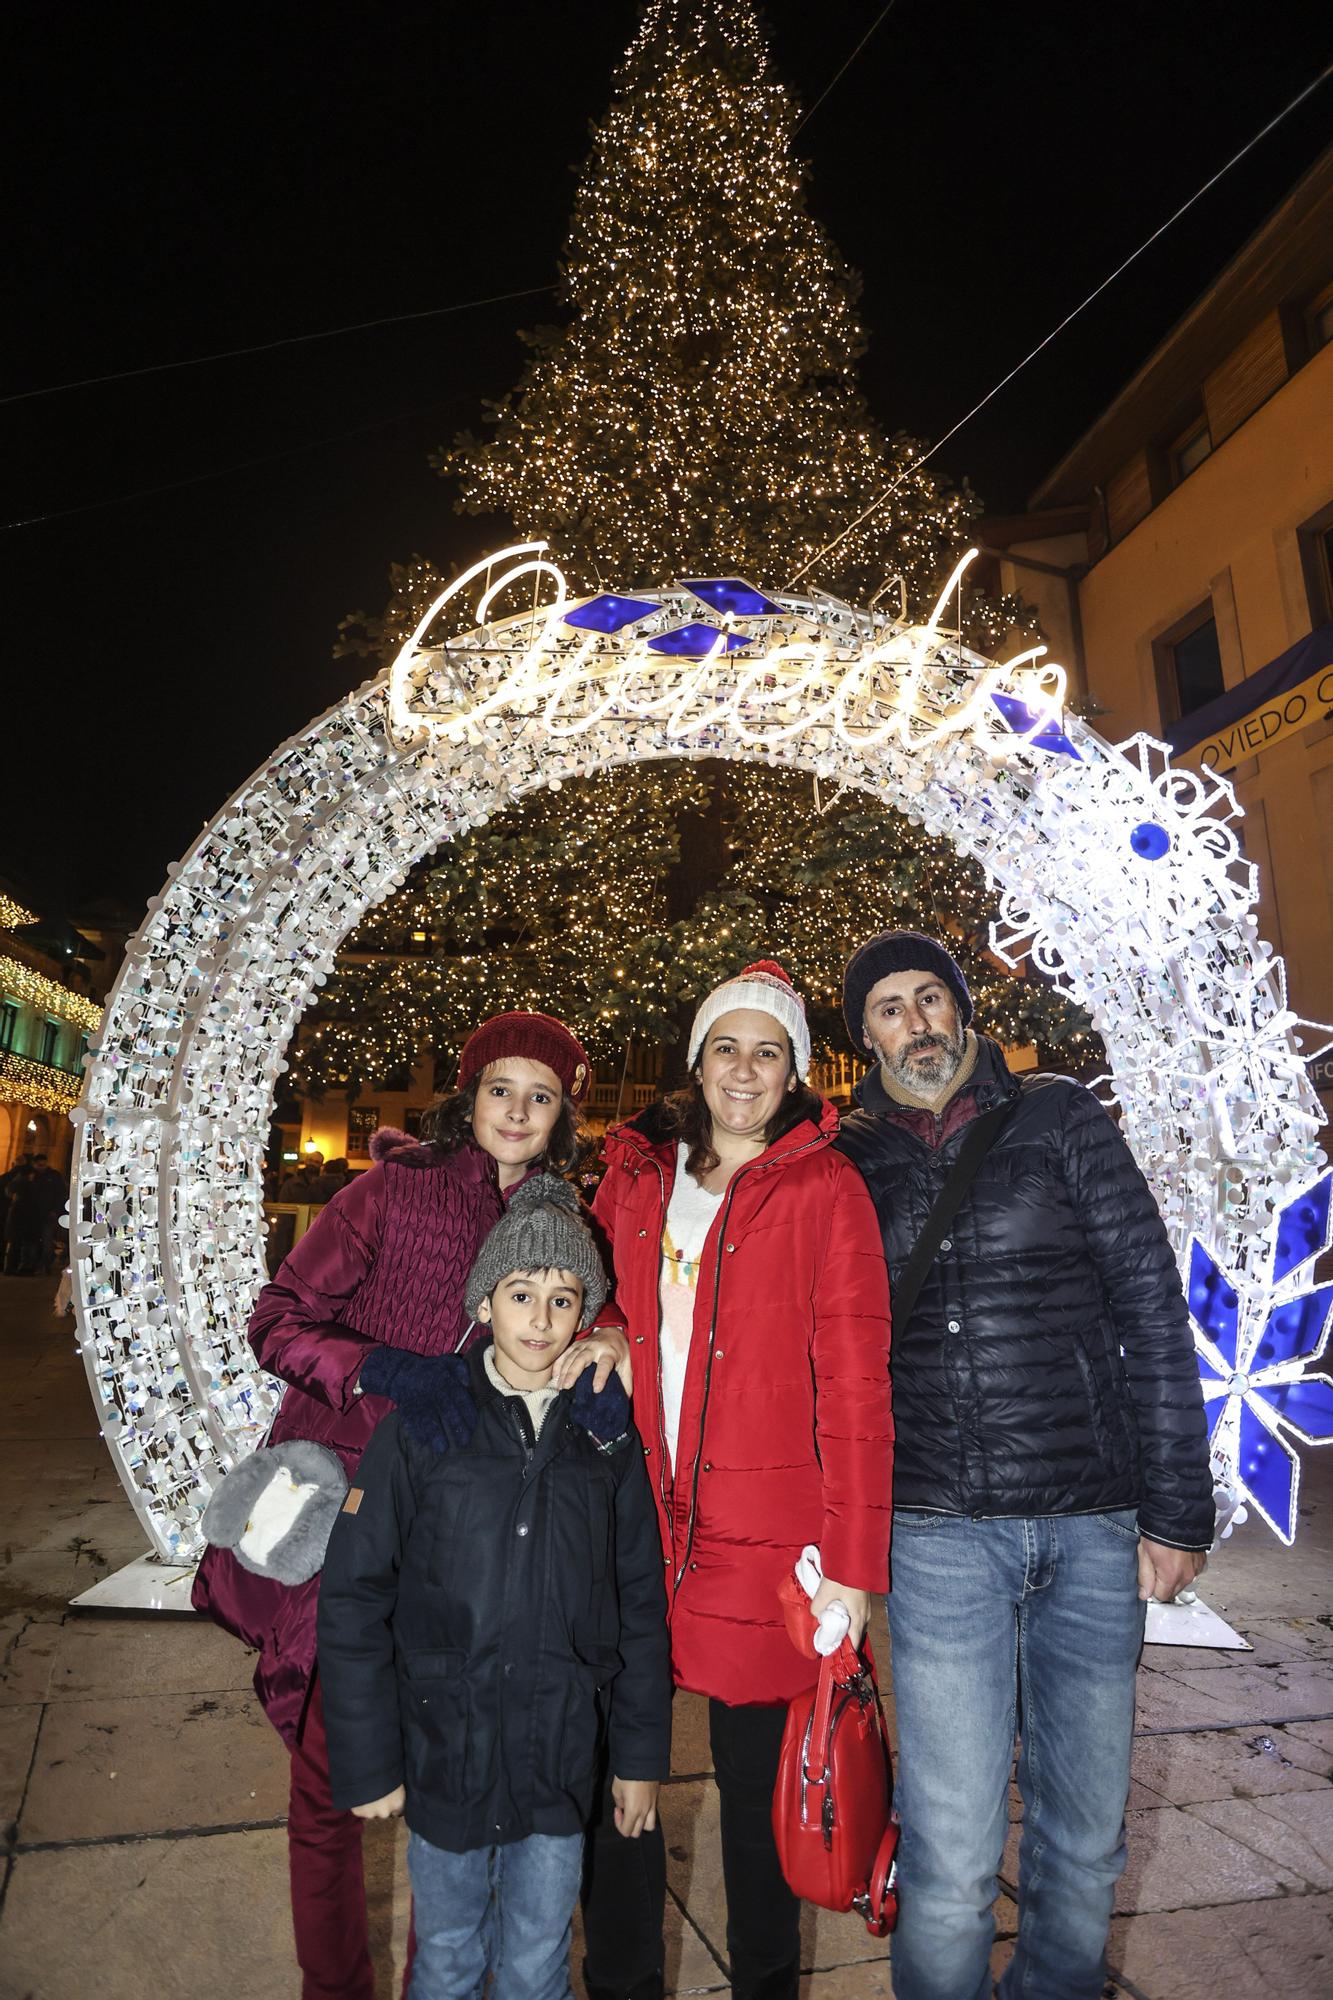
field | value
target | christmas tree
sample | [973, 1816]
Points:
[585, 903]
[696, 414]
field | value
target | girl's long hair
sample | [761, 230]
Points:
[690, 1121]
[447, 1123]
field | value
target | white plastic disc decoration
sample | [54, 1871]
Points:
[1121, 877]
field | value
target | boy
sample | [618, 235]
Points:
[476, 1606]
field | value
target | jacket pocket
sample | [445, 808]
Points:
[440, 1744]
[1101, 1435]
[601, 1513]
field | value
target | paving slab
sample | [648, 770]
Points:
[1162, 1701]
[100, 1655]
[1318, 1733]
[1294, 1832]
[848, 1982]
[691, 1752]
[76, 1521]
[1178, 1861]
[690, 1965]
[27, 1651]
[18, 1734]
[180, 1919]
[1264, 1951]
[1224, 1764]
[1292, 1688]
[152, 1763]
[694, 1873]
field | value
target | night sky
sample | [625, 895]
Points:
[191, 178]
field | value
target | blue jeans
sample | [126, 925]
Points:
[1001, 1626]
[507, 1910]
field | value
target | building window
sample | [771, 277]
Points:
[50, 1036]
[1319, 320]
[1189, 666]
[1190, 450]
[9, 1021]
[363, 1122]
[1316, 542]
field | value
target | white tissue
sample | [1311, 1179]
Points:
[836, 1620]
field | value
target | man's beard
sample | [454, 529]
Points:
[929, 1064]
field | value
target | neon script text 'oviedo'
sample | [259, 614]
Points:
[807, 663]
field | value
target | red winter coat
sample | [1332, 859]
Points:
[385, 1264]
[786, 1431]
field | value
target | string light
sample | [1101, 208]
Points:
[13, 914]
[47, 994]
[37, 1084]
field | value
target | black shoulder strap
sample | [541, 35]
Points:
[980, 1137]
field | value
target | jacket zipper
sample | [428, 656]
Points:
[661, 1414]
[712, 1336]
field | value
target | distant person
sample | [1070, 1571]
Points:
[52, 1195]
[23, 1221]
[330, 1180]
[471, 1625]
[296, 1185]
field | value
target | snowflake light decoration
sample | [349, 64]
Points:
[1120, 876]
[1255, 1350]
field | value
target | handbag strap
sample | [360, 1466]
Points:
[980, 1136]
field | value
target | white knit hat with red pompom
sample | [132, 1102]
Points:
[766, 988]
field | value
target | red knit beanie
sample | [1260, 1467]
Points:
[539, 1037]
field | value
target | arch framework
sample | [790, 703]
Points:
[1120, 876]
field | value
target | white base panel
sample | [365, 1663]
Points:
[1193, 1624]
[146, 1584]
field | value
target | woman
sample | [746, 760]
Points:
[749, 1270]
[357, 1317]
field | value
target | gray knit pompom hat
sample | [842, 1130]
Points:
[540, 1230]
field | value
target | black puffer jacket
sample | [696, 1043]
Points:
[475, 1608]
[1048, 1367]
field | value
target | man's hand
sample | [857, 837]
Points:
[857, 1602]
[636, 1805]
[1164, 1573]
[605, 1348]
[386, 1808]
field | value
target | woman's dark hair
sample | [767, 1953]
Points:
[690, 1121]
[447, 1123]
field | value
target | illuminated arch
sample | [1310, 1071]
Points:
[1121, 877]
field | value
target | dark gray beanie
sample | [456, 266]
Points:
[897, 951]
[540, 1230]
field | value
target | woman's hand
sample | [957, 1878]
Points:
[386, 1808]
[857, 1602]
[605, 1348]
[636, 1805]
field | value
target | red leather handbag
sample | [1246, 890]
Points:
[833, 1818]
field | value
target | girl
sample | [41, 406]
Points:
[358, 1318]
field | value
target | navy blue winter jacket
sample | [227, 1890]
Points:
[1048, 1367]
[475, 1608]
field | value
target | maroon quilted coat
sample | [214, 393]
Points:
[786, 1432]
[385, 1264]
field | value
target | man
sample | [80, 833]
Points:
[52, 1194]
[1051, 1476]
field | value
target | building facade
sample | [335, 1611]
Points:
[47, 1014]
[1181, 561]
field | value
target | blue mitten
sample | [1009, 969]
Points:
[605, 1414]
[431, 1392]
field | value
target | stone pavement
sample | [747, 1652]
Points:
[144, 1793]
